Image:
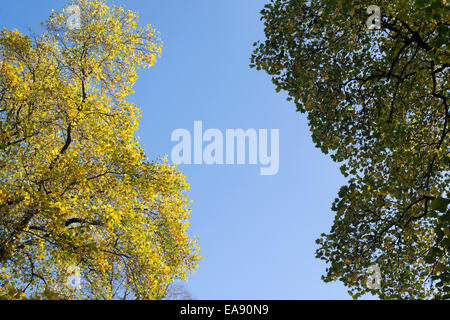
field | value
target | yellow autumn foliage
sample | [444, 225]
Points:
[75, 185]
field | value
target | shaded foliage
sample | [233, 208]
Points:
[377, 101]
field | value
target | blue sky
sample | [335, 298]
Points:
[257, 232]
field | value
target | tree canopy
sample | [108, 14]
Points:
[377, 101]
[76, 188]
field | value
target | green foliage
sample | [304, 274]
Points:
[377, 101]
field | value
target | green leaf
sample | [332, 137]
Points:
[440, 204]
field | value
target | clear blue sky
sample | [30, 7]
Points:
[257, 232]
